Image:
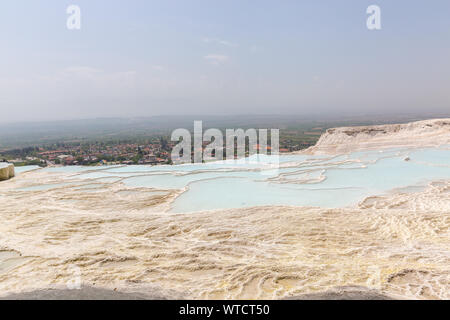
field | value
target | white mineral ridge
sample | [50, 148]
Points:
[428, 133]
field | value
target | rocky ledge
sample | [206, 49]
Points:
[6, 171]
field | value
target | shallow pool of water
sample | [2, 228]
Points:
[300, 180]
[18, 170]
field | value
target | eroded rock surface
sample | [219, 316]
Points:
[6, 171]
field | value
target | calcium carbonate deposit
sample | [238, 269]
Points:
[371, 211]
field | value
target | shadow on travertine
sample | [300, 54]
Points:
[89, 293]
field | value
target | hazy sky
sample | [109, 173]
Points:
[142, 58]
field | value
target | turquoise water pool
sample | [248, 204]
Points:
[23, 169]
[300, 180]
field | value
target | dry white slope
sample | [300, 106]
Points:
[428, 133]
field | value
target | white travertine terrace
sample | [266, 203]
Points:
[397, 244]
[6, 171]
[428, 133]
